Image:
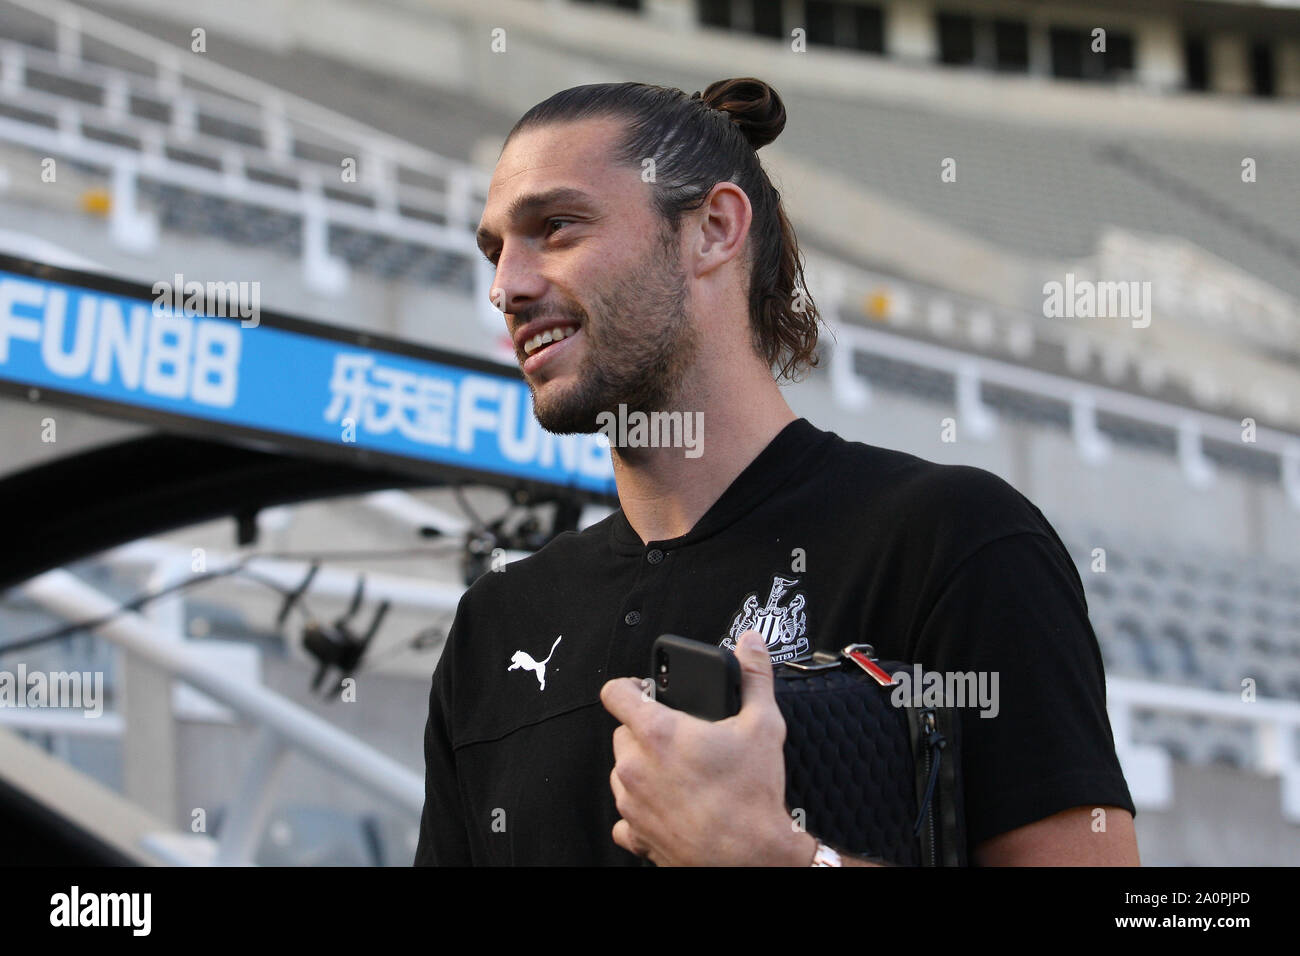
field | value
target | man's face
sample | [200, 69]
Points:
[579, 248]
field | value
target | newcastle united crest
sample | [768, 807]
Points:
[784, 628]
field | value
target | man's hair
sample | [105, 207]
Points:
[696, 142]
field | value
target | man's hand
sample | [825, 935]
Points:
[699, 792]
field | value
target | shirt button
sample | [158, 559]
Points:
[655, 556]
[632, 617]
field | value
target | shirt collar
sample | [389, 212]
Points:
[762, 476]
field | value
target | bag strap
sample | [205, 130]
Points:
[936, 757]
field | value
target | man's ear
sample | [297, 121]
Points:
[720, 230]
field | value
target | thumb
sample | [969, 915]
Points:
[755, 669]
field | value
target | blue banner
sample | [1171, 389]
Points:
[158, 355]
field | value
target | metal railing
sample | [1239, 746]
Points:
[283, 726]
[285, 135]
[1148, 769]
[1084, 399]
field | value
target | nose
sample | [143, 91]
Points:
[517, 281]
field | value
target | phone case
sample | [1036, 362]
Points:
[695, 678]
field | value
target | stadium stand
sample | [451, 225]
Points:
[245, 150]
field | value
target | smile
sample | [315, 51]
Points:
[543, 339]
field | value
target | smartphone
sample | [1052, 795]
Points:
[694, 677]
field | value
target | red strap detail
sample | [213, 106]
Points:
[882, 676]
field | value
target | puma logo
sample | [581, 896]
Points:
[523, 660]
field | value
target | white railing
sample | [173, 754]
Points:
[157, 637]
[417, 594]
[383, 204]
[1084, 399]
[183, 132]
[1148, 769]
[283, 725]
[172, 67]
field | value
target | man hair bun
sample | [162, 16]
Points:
[753, 106]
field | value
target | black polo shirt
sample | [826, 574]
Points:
[818, 539]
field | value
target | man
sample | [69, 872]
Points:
[643, 260]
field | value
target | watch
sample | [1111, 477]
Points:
[825, 856]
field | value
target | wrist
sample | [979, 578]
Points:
[799, 850]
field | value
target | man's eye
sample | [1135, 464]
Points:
[496, 255]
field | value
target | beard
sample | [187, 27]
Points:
[641, 345]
